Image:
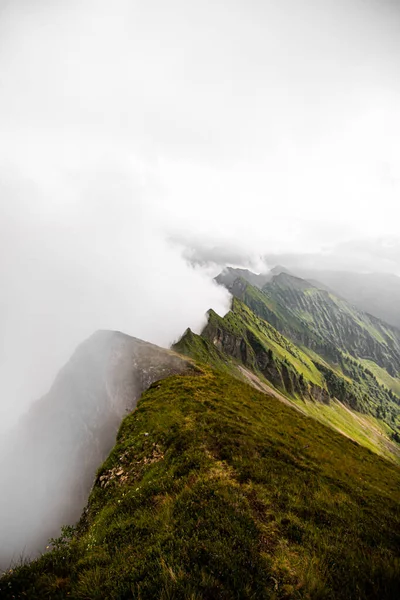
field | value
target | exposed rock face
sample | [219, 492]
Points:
[247, 350]
[319, 394]
[49, 461]
[227, 343]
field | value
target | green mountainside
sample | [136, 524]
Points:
[337, 321]
[216, 490]
[341, 342]
[269, 471]
[375, 293]
[317, 318]
[346, 396]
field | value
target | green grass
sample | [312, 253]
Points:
[383, 376]
[311, 331]
[217, 491]
[283, 348]
[241, 337]
[316, 358]
[364, 429]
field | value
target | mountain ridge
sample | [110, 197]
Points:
[264, 465]
[357, 382]
[60, 442]
[375, 293]
[337, 319]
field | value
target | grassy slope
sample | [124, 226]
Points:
[364, 429]
[393, 383]
[336, 320]
[368, 431]
[351, 382]
[269, 309]
[215, 490]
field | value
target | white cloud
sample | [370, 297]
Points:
[82, 250]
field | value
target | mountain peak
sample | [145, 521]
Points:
[291, 281]
[278, 269]
[229, 275]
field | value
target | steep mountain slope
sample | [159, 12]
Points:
[261, 347]
[270, 310]
[326, 330]
[338, 322]
[320, 321]
[52, 455]
[346, 395]
[375, 293]
[312, 315]
[217, 491]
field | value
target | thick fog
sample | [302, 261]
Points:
[380, 255]
[142, 142]
[80, 253]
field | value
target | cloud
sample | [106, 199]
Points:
[82, 250]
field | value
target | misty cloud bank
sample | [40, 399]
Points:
[81, 250]
[80, 253]
[380, 255]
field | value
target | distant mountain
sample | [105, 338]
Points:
[375, 293]
[337, 321]
[230, 274]
[315, 317]
[356, 355]
[303, 365]
[53, 453]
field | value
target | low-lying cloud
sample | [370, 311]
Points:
[83, 249]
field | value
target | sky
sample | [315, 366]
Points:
[133, 133]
